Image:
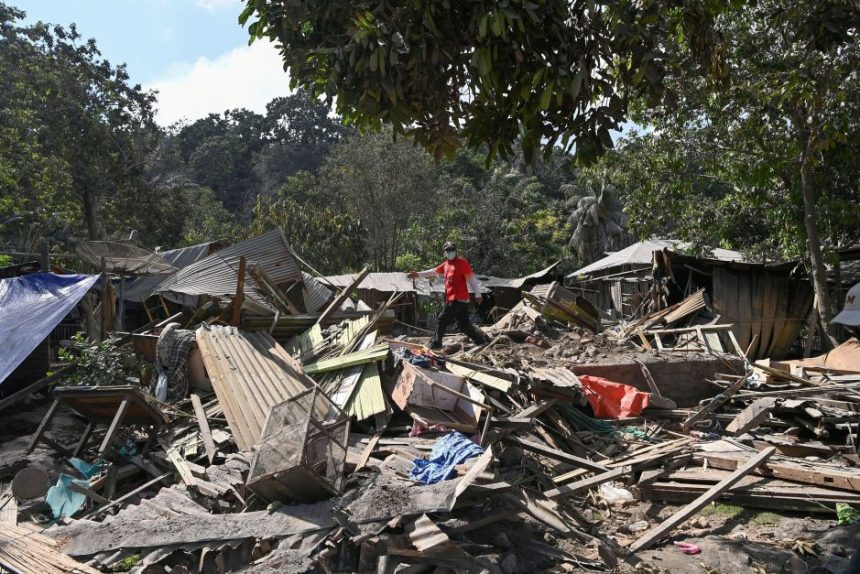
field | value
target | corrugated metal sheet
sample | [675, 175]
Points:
[122, 257]
[217, 274]
[250, 374]
[368, 398]
[642, 252]
[141, 288]
[316, 294]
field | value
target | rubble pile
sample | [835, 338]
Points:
[343, 448]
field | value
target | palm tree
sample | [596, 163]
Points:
[597, 219]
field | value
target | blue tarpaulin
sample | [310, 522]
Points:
[62, 499]
[449, 451]
[30, 307]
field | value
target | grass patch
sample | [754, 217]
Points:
[741, 514]
[765, 519]
[725, 510]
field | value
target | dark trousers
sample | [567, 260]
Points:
[456, 311]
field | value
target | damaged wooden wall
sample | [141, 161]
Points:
[766, 309]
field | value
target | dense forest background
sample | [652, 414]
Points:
[81, 157]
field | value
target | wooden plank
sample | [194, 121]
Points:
[37, 386]
[8, 508]
[555, 454]
[637, 459]
[114, 426]
[205, 431]
[343, 296]
[714, 404]
[822, 475]
[43, 426]
[480, 377]
[240, 293]
[179, 464]
[95, 497]
[751, 417]
[587, 483]
[368, 450]
[655, 534]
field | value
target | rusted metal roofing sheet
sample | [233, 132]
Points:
[250, 373]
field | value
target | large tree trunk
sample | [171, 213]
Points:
[91, 215]
[808, 139]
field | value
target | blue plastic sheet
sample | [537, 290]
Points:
[62, 499]
[86, 469]
[449, 451]
[30, 307]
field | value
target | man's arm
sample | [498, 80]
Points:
[427, 272]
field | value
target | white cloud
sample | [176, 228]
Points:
[247, 77]
[216, 4]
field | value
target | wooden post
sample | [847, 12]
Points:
[338, 301]
[105, 294]
[44, 256]
[706, 498]
[114, 427]
[240, 293]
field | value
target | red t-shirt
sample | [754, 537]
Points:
[457, 273]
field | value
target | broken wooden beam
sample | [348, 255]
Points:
[587, 483]
[751, 417]
[715, 403]
[205, 431]
[555, 454]
[343, 296]
[655, 534]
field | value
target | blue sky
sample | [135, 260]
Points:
[193, 51]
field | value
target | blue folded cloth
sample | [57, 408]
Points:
[449, 451]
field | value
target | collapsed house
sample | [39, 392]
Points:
[766, 305]
[283, 427]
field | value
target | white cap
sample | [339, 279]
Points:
[850, 314]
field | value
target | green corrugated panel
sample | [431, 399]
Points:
[368, 398]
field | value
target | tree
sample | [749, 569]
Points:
[75, 131]
[332, 240]
[299, 134]
[597, 218]
[385, 184]
[446, 71]
[790, 114]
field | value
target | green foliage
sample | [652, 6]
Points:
[73, 130]
[127, 563]
[385, 184]
[5, 260]
[553, 71]
[99, 364]
[845, 514]
[332, 241]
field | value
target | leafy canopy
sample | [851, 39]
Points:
[454, 70]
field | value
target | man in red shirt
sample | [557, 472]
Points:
[459, 281]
